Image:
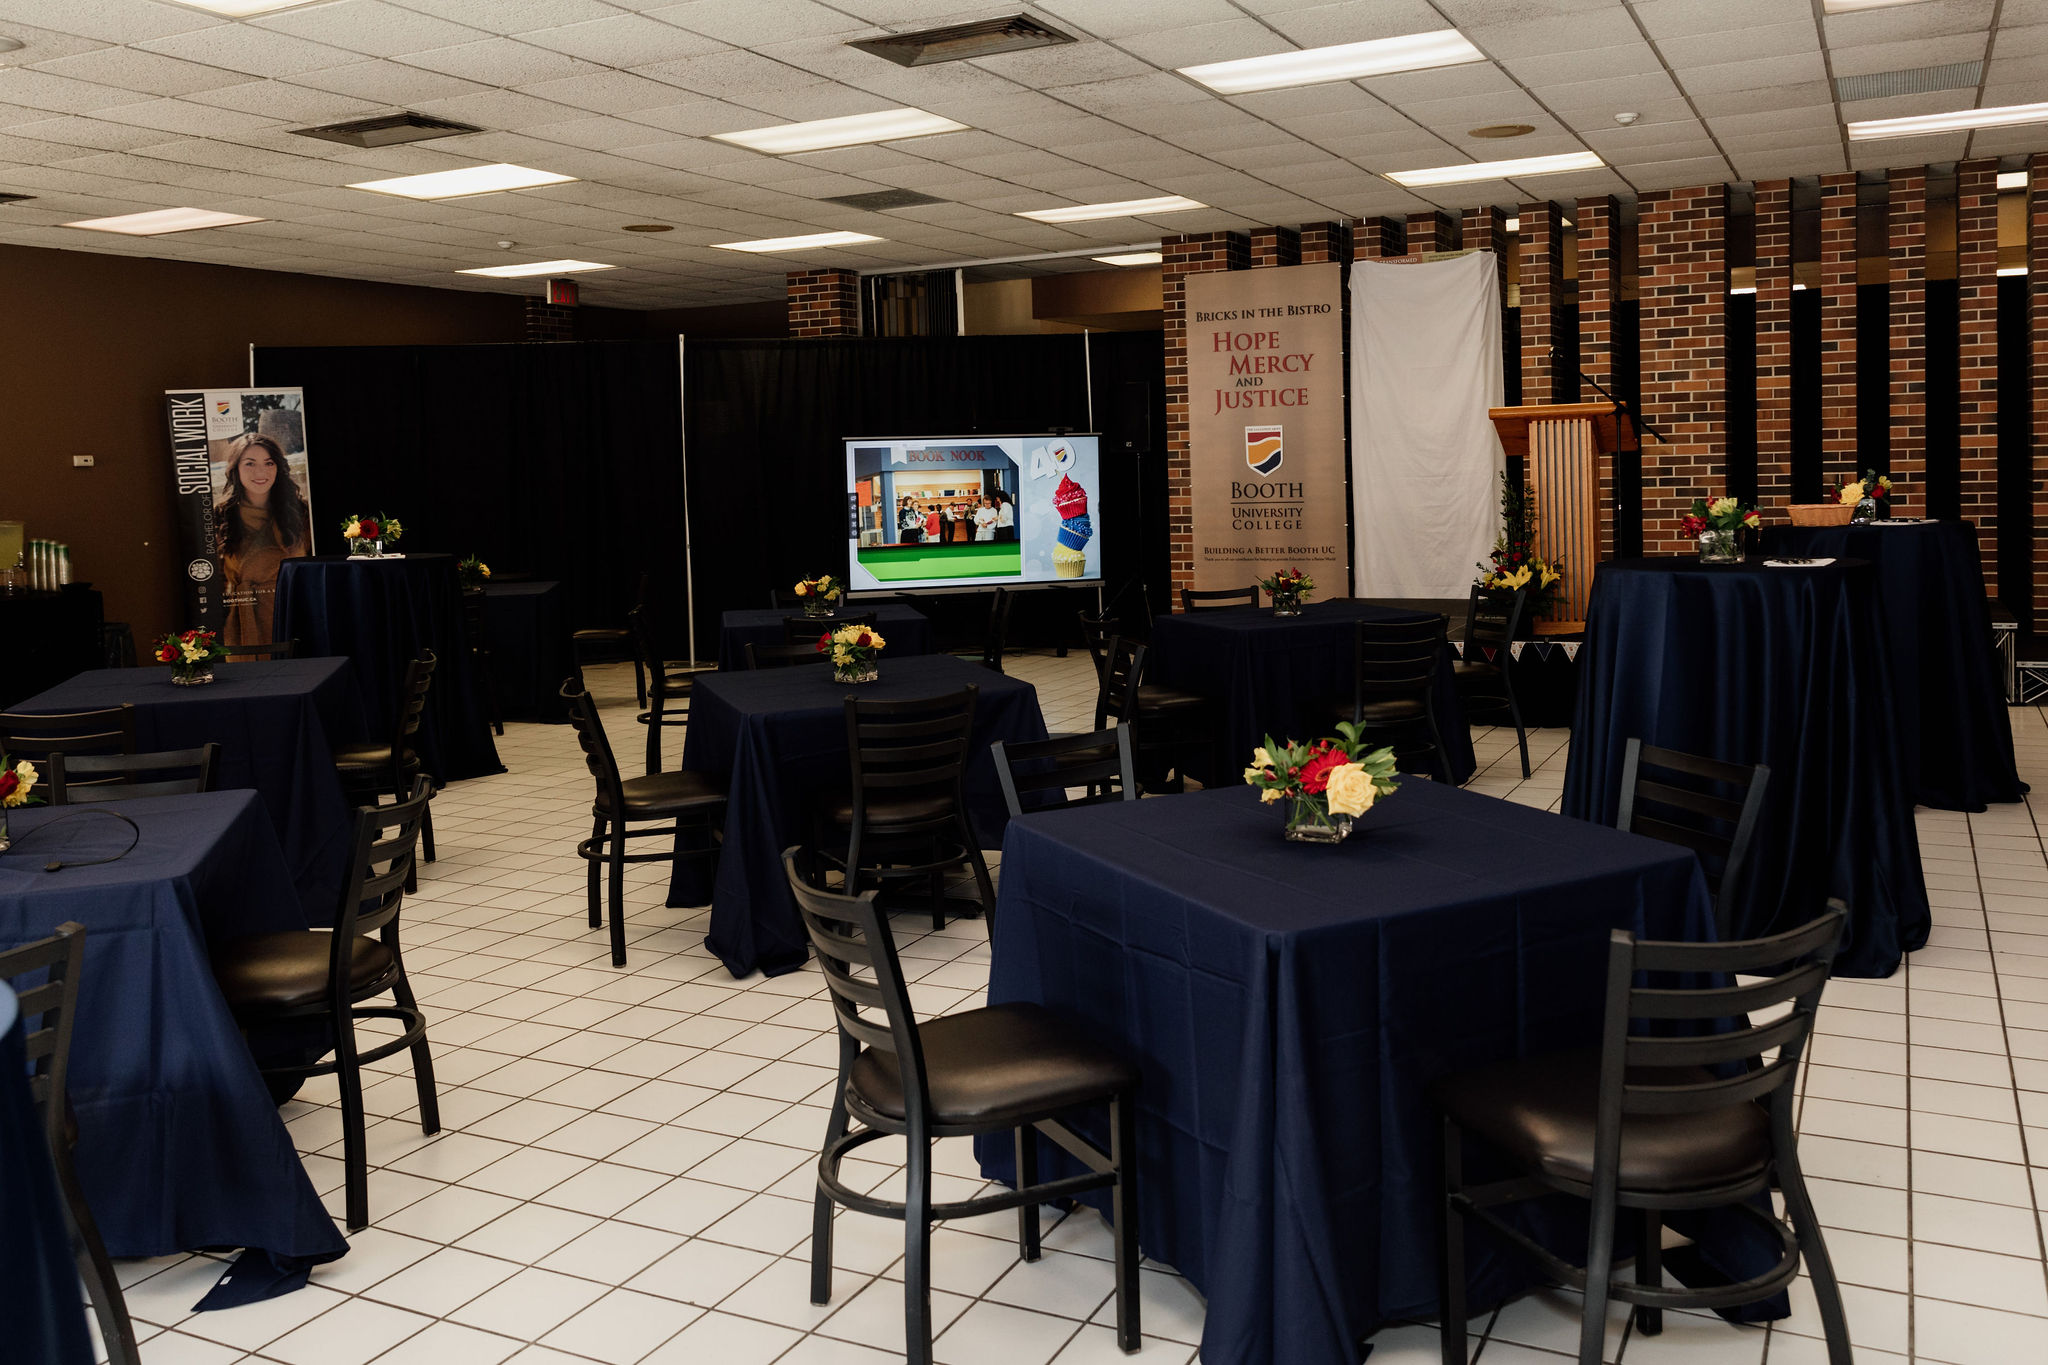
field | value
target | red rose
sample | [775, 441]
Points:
[168, 654]
[825, 642]
[367, 528]
[1880, 491]
[865, 640]
[1315, 774]
[9, 781]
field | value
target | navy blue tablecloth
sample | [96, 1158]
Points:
[1288, 1006]
[1787, 667]
[179, 1143]
[1951, 732]
[780, 734]
[277, 722]
[382, 613]
[1278, 675]
[908, 630]
[527, 626]
[39, 1299]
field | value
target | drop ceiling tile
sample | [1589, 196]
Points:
[1198, 43]
[256, 51]
[1451, 117]
[2017, 41]
[1570, 32]
[1356, 21]
[1664, 175]
[282, 100]
[501, 62]
[752, 23]
[74, 131]
[1672, 20]
[1647, 111]
[1800, 70]
[1777, 140]
[730, 75]
[498, 110]
[110, 21]
[1131, 18]
[193, 120]
[1610, 96]
[596, 134]
[1070, 64]
[368, 26]
[1921, 20]
[1799, 94]
[387, 83]
[1785, 165]
[1553, 69]
[61, 94]
[624, 40]
[1818, 120]
[2004, 142]
[520, 16]
[801, 103]
[607, 92]
[1451, 82]
[1903, 106]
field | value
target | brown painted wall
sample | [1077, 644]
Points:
[88, 344]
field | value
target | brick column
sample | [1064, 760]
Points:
[1597, 219]
[1487, 230]
[1276, 246]
[2037, 309]
[1373, 238]
[1683, 273]
[1977, 333]
[1773, 344]
[1906, 230]
[549, 322]
[824, 303]
[1432, 231]
[1839, 459]
[1325, 242]
[1542, 289]
[1194, 254]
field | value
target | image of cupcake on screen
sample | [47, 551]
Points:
[1070, 548]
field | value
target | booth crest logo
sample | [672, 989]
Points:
[1262, 449]
[220, 406]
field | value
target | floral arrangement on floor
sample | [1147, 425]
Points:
[365, 535]
[1874, 488]
[473, 572]
[1288, 588]
[819, 593]
[18, 778]
[851, 651]
[1516, 564]
[1326, 784]
[191, 655]
[1715, 524]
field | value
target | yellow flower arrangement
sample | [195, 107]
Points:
[17, 784]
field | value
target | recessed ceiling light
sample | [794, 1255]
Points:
[855, 130]
[2012, 180]
[648, 227]
[1497, 170]
[1960, 120]
[241, 9]
[1344, 62]
[514, 272]
[157, 222]
[798, 243]
[1132, 258]
[490, 179]
[1851, 6]
[2012, 270]
[1492, 130]
[1125, 208]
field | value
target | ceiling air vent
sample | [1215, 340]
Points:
[14, 198]
[878, 200]
[958, 42]
[1918, 80]
[387, 130]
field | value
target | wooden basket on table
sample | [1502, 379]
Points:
[1821, 513]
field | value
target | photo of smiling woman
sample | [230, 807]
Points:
[261, 519]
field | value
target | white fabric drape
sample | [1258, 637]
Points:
[1426, 461]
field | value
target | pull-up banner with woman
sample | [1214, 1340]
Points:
[244, 502]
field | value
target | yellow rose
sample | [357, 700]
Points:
[1722, 507]
[803, 590]
[1269, 796]
[352, 531]
[1351, 791]
[1852, 492]
[26, 771]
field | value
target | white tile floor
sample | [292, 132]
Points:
[625, 1168]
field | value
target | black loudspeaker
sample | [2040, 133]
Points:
[1130, 427]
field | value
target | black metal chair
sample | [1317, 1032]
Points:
[1098, 763]
[1676, 1116]
[783, 656]
[110, 730]
[805, 630]
[1704, 804]
[612, 644]
[476, 638]
[122, 777]
[694, 803]
[1016, 1068]
[668, 687]
[295, 979]
[904, 815]
[375, 769]
[1218, 599]
[52, 1006]
[274, 649]
[1393, 687]
[1493, 618]
[1170, 724]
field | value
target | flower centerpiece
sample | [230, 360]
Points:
[1870, 496]
[472, 573]
[1715, 525]
[366, 535]
[819, 594]
[18, 778]
[1324, 785]
[191, 654]
[852, 651]
[1516, 562]
[1288, 588]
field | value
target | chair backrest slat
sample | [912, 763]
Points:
[1493, 617]
[121, 777]
[916, 746]
[1218, 598]
[805, 630]
[269, 649]
[385, 842]
[49, 1008]
[109, 730]
[597, 747]
[1100, 765]
[1395, 660]
[783, 656]
[1705, 804]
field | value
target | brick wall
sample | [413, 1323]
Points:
[1907, 238]
[824, 303]
[1325, 242]
[1432, 231]
[549, 322]
[1374, 238]
[1683, 284]
[1487, 230]
[1977, 330]
[1597, 220]
[1276, 246]
[1773, 200]
[1542, 291]
[1194, 254]
[1838, 444]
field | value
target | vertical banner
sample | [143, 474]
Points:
[1265, 355]
[244, 502]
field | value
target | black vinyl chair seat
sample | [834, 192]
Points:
[659, 795]
[1475, 668]
[885, 813]
[373, 755]
[1394, 711]
[1542, 1111]
[603, 635]
[1153, 697]
[290, 971]
[996, 1068]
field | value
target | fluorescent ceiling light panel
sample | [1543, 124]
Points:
[1132, 258]
[798, 243]
[490, 179]
[1126, 208]
[241, 9]
[1852, 6]
[1497, 170]
[514, 272]
[854, 130]
[1344, 62]
[157, 222]
[1959, 121]
[2012, 180]
[2012, 270]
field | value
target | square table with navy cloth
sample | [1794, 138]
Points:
[382, 613]
[526, 627]
[39, 1302]
[180, 1146]
[908, 630]
[1279, 675]
[1783, 666]
[277, 722]
[780, 734]
[1288, 1005]
[1952, 733]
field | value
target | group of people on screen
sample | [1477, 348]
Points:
[938, 521]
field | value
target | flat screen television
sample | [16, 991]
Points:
[972, 511]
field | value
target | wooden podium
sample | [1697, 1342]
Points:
[1567, 451]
